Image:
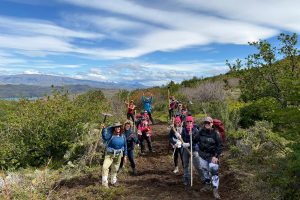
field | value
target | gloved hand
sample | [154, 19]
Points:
[185, 145]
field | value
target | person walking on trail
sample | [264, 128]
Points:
[190, 129]
[131, 139]
[130, 110]
[176, 142]
[147, 103]
[172, 107]
[183, 115]
[144, 133]
[116, 147]
[210, 148]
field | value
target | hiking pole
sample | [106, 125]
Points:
[191, 139]
[98, 140]
[168, 100]
[134, 121]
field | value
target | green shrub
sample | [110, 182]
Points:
[47, 128]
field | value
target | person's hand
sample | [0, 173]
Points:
[214, 160]
[177, 135]
[186, 145]
[102, 125]
[125, 159]
[131, 135]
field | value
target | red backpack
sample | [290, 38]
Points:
[219, 126]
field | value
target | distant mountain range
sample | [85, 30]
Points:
[36, 85]
[48, 80]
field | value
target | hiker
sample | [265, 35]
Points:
[190, 129]
[130, 110]
[176, 142]
[147, 103]
[183, 115]
[210, 148]
[172, 107]
[116, 147]
[144, 133]
[178, 109]
[132, 139]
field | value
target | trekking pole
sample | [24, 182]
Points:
[98, 140]
[168, 100]
[134, 121]
[191, 139]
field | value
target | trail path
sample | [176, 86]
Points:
[155, 179]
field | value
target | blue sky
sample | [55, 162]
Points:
[152, 42]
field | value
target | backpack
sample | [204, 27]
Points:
[219, 126]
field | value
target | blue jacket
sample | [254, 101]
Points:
[114, 142]
[130, 141]
[147, 103]
[186, 137]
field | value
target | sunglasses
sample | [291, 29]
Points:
[207, 122]
[189, 121]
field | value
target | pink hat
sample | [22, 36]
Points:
[189, 118]
[177, 119]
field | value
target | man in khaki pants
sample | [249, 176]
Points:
[116, 146]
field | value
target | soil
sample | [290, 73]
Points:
[155, 178]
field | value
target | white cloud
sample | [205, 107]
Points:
[151, 73]
[31, 71]
[32, 27]
[279, 14]
[175, 29]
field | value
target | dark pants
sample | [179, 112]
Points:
[171, 113]
[150, 117]
[177, 151]
[130, 115]
[130, 156]
[148, 139]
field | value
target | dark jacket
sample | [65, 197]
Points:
[131, 141]
[186, 137]
[210, 143]
[172, 137]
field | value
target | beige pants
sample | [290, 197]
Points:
[114, 162]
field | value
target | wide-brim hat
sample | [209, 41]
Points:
[117, 124]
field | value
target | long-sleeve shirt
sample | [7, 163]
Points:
[147, 103]
[114, 142]
[186, 136]
[130, 140]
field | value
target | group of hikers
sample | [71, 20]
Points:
[198, 147]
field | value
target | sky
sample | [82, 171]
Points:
[150, 42]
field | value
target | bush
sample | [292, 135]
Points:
[47, 128]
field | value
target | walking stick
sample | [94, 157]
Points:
[98, 140]
[134, 121]
[191, 139]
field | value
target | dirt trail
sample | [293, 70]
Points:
[156, 180]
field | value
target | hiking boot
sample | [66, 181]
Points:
[134, 172]
[216, 193]
[116, 184]
[206, 188]
[175, 170]
[105, 184]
